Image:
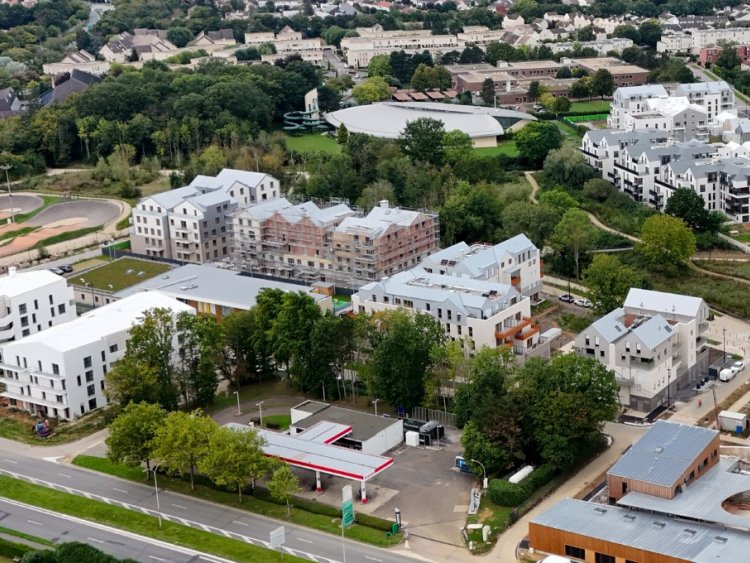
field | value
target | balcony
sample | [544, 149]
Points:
[510, 331]
[515, 281]
[531, 331]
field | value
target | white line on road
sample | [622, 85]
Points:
[120, 490]
[10, 461]
[95, 540]
[35, 522]
[372, 558]
[64, 475]
[157, 558]
[306, 541]
[178, 506]
[241, 523]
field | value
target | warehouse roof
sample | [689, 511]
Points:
[663, 453]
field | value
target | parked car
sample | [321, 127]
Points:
[57, 271]
[585, 303]
[737, 367]
[727, 375]
[567, 298]
[67, 268]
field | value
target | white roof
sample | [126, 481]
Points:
[251, 179]
[388, 119]
[110, 319]
[647, 90]
[661, 302]
[672, 106]
[18, 283]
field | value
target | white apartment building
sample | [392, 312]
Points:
[697, 39]
[715, 97]
[602, 46]
[32, 301]
[683, 120]
[59, 372]
[631, 100]
[515, 262]
[481, 313]
[654, 344]
[190, 223]
[359, 51]
[674, 43]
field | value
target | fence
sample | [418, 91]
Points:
[573, 119]
[444, 418]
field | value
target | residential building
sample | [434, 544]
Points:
[601, 46]
[32, 301]
[77, 82]
[631, 100]
[709, 55]
[683, 120]
[624, 74]
[654, 344]
[715, 97]
[219, 292]
[359, 51]
[480, 313]
[515, 262]
[694, 40]
[78, 60]
[331, 244]
[10, 103]
[191, 223]
[214, 39]
[142, 44]
[59, 372]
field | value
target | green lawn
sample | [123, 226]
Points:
[136, 522]
[282, 421]
[311, 514]
[736, 269]
[567, 130]
[507, 148]
[489, 514]
[593, 106]
[312, 142]
[21, 431]
[48, 200]
[68, 235]
[122, 273]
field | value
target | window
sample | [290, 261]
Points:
[25, 332]
[87, 362]
[24, 321]
[104, 356]
[577, 552]
[61, 308]
[92, 404]
[78, 379]
[91, 390]
[22, 308]
[36, 305]
[89, 376]
[602, 558]
[55, 369]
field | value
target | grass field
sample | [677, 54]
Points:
[313, 142]
[736, 269]
[253, 503]
[122, 273]
[507, 148]
[282, 421]
[136, 522]
[161, 184]
[490, 515]
[17, 426]
[567, 130]
[594, 106]
[69, 235]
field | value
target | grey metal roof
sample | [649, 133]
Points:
[654, 331]
[702, 499]
[714, 87]
[659, 301]
[663, 453]
[610, 327]
[689, 541]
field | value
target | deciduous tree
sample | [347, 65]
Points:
[536, 139]
[374, 89]
[422, 140]
[666, 241]
[283, 485]
[575, 234]
[131, 434]
[608, 281]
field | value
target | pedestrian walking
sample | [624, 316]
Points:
[700, 403]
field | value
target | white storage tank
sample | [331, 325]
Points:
[521, 474]
[412, 438]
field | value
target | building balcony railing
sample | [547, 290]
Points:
[507, 332]
[515, 281]
[526, 334]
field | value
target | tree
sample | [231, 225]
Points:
[535, 141]
[380, 65]
[334, 34]
[566, 167]
[586, 34]
[666, 241]
[561, 105]
[535, 90]
[631, 55]
[580, 88]
[199, 353]
[422, 140]
[471, 213]
[488, 91]
[689, 206]
[575, 234]
[283, 485]
[627, 32]
[564, 72]
[180, 36]
[728, 61]
[234, 457]
[131, 380]
[547, 100]
[650, 32]
[182, 442]
[471, 55]
[457, 146]
[131, 434]
[342, 134]
[602, 83]
[608, 281]
[535, 221]
[558, 200]
[402, 351]
[291, 329]
[374, 89]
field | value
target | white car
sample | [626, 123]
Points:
[566, 298]
[585, 303]
[737, 367]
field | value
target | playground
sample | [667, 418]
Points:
[54, 223]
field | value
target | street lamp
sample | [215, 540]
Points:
[724, 331]
[260, 411]
[156, 490]
[375, 402]
[239, 412]
[484, 472]
[669, 378]
[7, 167]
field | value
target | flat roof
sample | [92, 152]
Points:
[689, 541]
[17, 283]
[324, 432]
[311, 406]
[329, 459]
[210, 284]
[364, 425]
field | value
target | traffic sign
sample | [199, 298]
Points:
[277, 537]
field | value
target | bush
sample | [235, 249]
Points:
[505, 493]
[539, 477]
[13, 550]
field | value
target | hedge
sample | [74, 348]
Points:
[13, 550]
[505, 493]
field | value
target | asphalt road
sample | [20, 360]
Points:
[237, 524]
[60, 528]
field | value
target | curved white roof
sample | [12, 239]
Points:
[388, 119]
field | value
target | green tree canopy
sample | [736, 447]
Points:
[488, 92]
[283, 485]
[666, 241]
[689, 206]
[422, 140]
[374, 89]
[131, 434]
[608, 281]
[574, 234]
[536, 140]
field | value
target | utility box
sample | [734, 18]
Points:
[733, 421]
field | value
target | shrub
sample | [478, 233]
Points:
[505, 493]
[539, 477]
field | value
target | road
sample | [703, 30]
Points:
[60, 528]
[236, 524]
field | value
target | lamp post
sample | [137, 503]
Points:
[375, 402]
[156, 490]
[7, 167]
[260, 411]
[669, 380]
[239, 412]
[484, 472]
[724, 332]
[324, 391]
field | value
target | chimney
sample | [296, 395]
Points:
[11, 271]
[384, 204]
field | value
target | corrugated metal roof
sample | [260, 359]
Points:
[663, 453]
[659, 301]
[324, 432]
[690, 541]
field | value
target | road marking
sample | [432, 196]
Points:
[372, 558]
[95, 540]
[157, 558]
[241, 523]
[178, 506]
[35, 522]
[11, 461]
[64, 475]
[306, 541]
[120, 490]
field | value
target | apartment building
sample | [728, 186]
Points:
[600, 148]
[359, 51]
[480, 313]
[654, 344]
[715, 97]
[516, 262]
[632, 100]
[143, 44]
[683, 120]
[191, 223]
[698, 39]
[32, 301]
[331, 244]
[601, 46]
[59, 372]
[709, 55]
